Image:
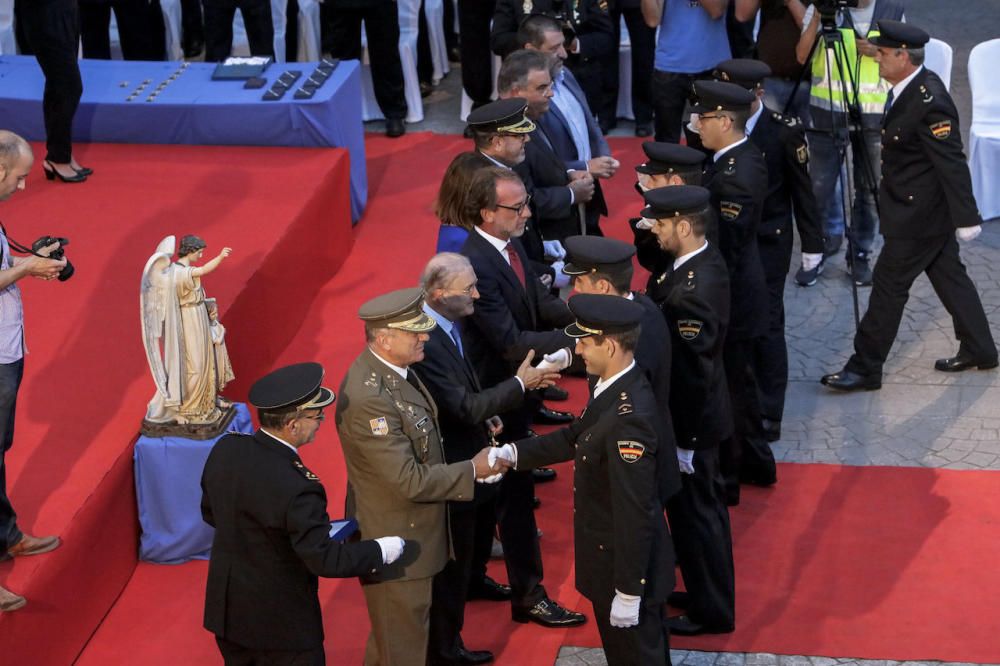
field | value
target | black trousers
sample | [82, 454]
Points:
[519, 536]
[140, 29]
[746, 454]
[699, 525]
[670, 95]
[451, 586]
[342, 38]
[53, 31]
[219, 27]
[643, 40]
[770, 352]
[10, 381]
[645, 644]
[192, 22]
[234, 654]
[474, 17]
[899, 264]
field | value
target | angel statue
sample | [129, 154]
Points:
[185, 343]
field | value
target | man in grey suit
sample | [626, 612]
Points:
[398, 480]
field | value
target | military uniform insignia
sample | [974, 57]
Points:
[380, 427]
[689, 328]
[372, 381]
[305, 471]
[941, 130]
[630, 451]
[928, 97]
[526, 7]
[663, 276]
[730, 210]
[625, 407]
[802, 154]
[730, 167]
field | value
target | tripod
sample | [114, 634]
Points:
[846, 130]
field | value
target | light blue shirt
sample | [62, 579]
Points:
[572, 110]
[443, 322]
[690, 41]
[11, 313]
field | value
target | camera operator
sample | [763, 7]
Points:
[16, 160]
[858, 76]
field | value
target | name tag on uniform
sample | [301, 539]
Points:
[422, 422]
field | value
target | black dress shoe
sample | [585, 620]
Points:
[489, 590]
[845, 380]
[465, 656]
[194, 47]
[546, 416]
[555, 394]
[543, 474]
[548, 614]
[394, 127]
[960, 363]
[679, 599]
[682, 625]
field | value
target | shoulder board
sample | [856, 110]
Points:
[624, 404]
[304, 471]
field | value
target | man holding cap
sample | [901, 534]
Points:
[398, 481]
[272, 532]
[697, 314]
[624, 558]
[926, 200]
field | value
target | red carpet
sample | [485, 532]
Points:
[87, 383]
[866, 562]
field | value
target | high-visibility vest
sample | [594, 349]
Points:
[828, 88]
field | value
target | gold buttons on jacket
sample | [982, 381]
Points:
[642, 580]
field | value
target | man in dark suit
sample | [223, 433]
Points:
[590, 36]
[642, 44]
[515, 314]
[559, 194]
[269, 515]
[604, 266]
[737, 178]
[697, 314]
[474, 18]
[467, 414]
[782, 142]
[925, 200]
[219, 27]
[624, 558]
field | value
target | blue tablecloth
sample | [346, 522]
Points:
[168, 489]
[195, 110]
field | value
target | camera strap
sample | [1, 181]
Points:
[17, 247]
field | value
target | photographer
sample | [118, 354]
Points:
[856, 77]
[16, 160]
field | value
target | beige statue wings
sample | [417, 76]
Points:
[161, 331]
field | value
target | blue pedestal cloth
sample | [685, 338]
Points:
[195, 110]
[168, 488]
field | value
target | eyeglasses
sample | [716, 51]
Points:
[708, 117]
[518, 208]
[467, 290]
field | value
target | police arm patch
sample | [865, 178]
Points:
[941, 130]
[630, 451]
[730, 210]
[380, 426]
[689, 329]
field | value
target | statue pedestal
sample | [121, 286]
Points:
[168, 490]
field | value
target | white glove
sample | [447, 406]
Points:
[506, 452]
[685, 460]
[811, 261]
[625, 610]
[557, 361]
[645, 223]
[562, 280]
[966, 234]
[392, 548]
[554, 249]
[692, 123]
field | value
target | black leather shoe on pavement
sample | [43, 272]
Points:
[548, 614]
[394, 127]
[861, 272]
[489, 590]
[682, 625]
[960, 363]
[554, 393]
[845, 380]
[546, 416]
[543, 474]
[474, 656]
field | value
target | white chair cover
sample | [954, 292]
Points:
[938, 57]
[984, 134]
[408, 25]
[624, 109]
[241, 44]
[434, 11]
[8, 44]
[310, 39]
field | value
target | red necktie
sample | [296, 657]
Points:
[515, 263]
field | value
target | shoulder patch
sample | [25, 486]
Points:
[379, 426]
[802, 154]
[730, 210]
[927, 96]
[304, 470]
[630, 451]
[689, 329]
[941, 130]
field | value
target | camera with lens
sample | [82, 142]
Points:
[57, 254]
[829, 8]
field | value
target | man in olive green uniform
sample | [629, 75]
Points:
[398, 481]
